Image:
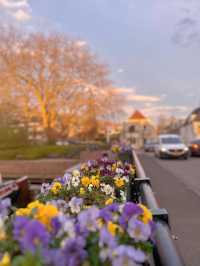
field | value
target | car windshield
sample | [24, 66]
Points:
[171, 140]
[196, 141]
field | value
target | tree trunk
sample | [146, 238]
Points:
[50, 135]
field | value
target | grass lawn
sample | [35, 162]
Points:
[41, 151]
[33, 152]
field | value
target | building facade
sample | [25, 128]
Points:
[190, 129]
[138, 129]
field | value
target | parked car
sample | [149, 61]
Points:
[149, 145]
[195, 147]
[171, 146]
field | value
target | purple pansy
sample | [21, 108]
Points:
[138, 230]
[74, 253]
[129, 210]
[75, 204]
[30, 234]
[128, 254]
[55, 225]
[88, 219]
[106, 239]
[19, 225]
[60, 204]
[66, 179]
[107, 213]
[4, 207]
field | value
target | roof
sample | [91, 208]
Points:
[137, 115]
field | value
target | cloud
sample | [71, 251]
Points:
[124, 90]
[151, 106]
[143, 98]
[14, 3]
[187, 22]
[187, 30]
[120, 70]
[17, 9]
[131, 95]
[22, 15]
[81, 43]
[167, 110]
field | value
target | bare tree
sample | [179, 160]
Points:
[55, 79]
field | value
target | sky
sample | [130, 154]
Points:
[152, 47]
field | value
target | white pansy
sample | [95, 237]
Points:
[75, 181]
[119, 171]
[122, 195]
[45, 188]
[121, 207]
[76, 173]
[107, 189]
[109, 168]
[75, 205]
[125, 178]
[90, 187]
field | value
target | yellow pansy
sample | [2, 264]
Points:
[34, 204]
[82, 191]
[109, 201]
[27, 211]
[119, 164]
[45, 214]
[147, 215]
[5, 261]
[95, 182]
[115, 149]
[100, 223]
[84, 167]
[113, 228]
[56, 187]
[119, 182]
[132, 170]
[23, 212]
[85, 181]
[114, 166]
[87, 206]
[2, 230]
[2, 235]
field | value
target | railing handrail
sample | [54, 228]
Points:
[166, 250]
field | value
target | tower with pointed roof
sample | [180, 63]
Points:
[138, 129]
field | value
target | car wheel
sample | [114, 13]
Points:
[186, 157]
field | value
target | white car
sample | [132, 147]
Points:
[171, 146]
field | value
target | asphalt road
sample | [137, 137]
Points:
[176, 184]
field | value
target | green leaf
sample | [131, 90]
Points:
[28, 259]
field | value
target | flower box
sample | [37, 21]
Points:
[79, 219]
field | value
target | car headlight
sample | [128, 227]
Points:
[163, 149]
[186, 149]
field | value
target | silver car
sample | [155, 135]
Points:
[171, 146]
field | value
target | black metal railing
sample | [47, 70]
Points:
[165, 253]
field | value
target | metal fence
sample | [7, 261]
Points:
[165, 252]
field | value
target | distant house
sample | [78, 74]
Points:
[190, 129]
[138, 129]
